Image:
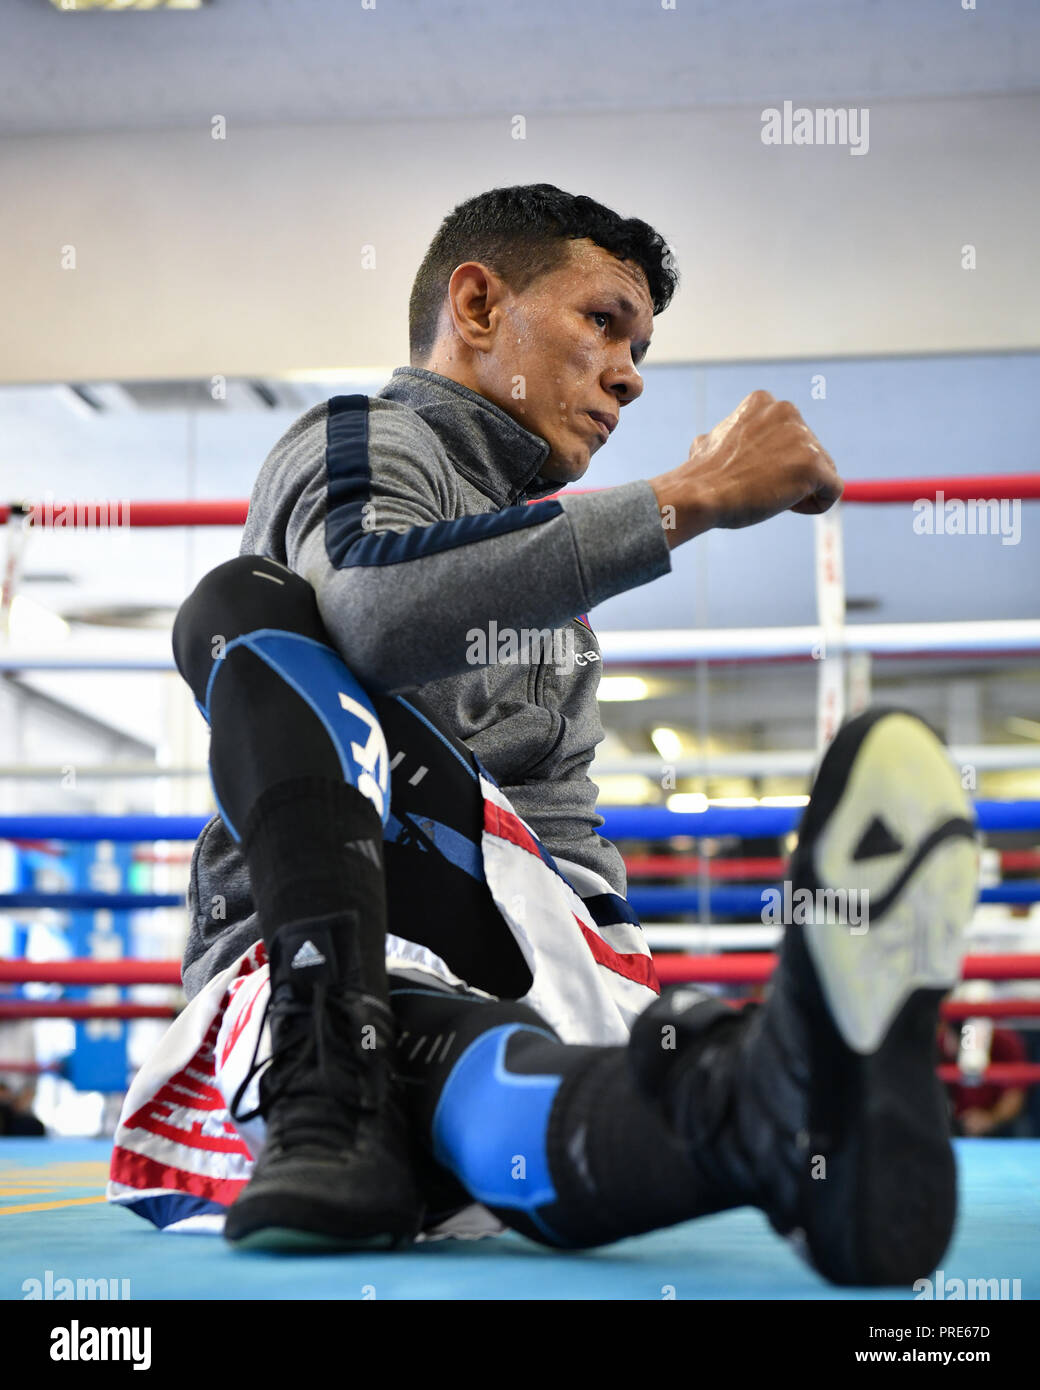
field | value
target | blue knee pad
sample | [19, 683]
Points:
[320, 677]
[490, 1125]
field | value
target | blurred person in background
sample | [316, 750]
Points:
[17, 1087]
[986, 1109]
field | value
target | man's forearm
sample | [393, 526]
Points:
[683, 514]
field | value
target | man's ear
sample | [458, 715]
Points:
[474, 292]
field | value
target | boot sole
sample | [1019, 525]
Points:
[883, 1209]
[284, 1240]
[292, 1210]
[282, 1225]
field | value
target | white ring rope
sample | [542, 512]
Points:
[664, 645]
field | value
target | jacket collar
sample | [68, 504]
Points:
[487, 446]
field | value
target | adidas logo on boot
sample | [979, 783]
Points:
[308, 954]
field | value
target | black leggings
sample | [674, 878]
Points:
[436, 892]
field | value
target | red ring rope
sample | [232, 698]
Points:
[991, 1008]
[752, 968]
[74, 1008]
[954, 1009]
[68, 515]
[997, 1074]
[737, 968]
[755, 969]
[91, 972]
[998, 486]
[740, 870]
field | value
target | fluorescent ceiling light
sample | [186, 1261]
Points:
[622, 688]
[625, 789]
[667, 742]
[75, 6]
[1028, 728]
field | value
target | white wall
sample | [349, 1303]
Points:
[243, 256]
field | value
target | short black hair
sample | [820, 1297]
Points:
[519, 233]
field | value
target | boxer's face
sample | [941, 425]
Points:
[569, 344]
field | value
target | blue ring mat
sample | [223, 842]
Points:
[734, 1255]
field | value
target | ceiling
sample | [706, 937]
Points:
[302, 61]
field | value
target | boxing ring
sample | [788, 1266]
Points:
[52, 1217]
[51, 1192]
[684, 864]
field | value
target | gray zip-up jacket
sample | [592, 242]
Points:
[407, 512]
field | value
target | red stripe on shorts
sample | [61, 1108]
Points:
[138, 1170]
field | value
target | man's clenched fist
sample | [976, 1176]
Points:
[760, 461]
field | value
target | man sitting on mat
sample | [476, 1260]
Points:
[458, 1011]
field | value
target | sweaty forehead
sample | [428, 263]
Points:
[594, 269]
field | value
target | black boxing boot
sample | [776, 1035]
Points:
[338, 1167]
[822, 1106]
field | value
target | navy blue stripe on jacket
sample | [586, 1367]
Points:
[349, 488]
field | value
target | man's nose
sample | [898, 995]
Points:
[625, 383]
